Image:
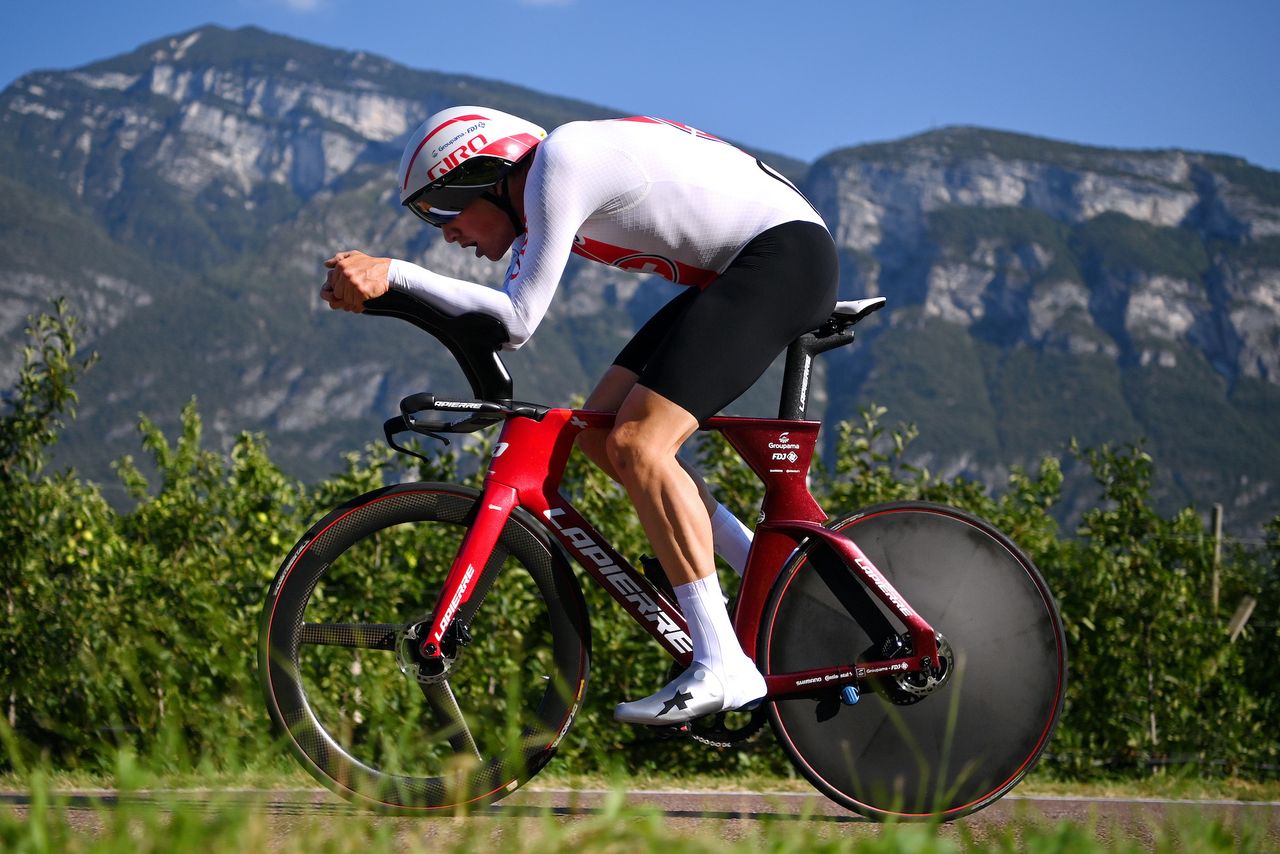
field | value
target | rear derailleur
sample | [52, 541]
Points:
[905, 689]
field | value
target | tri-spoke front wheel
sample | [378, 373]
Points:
[339, 674]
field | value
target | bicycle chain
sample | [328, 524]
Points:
[717, 735]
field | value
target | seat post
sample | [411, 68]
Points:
[795, 378]
[799, 366]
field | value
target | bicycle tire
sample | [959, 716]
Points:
[368, 728]
[971, 741]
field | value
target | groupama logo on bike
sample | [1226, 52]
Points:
[784, 449]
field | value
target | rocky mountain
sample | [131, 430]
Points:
[1047, 290]
[184, 195]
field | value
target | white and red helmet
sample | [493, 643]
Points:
[457, 154]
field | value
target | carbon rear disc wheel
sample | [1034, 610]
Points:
[972, 739]
[368, 718]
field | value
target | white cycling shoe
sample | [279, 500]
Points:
[692, 694]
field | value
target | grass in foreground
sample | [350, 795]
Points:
[133, 826]
[1172, 786]
[181, 829]
[46, 821]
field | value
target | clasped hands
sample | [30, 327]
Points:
[354, 277]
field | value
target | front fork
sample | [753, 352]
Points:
[493, 509]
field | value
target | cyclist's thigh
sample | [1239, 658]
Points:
[642, 345]
[612, 389]
[781, 285]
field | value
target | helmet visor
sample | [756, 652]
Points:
[429, 214]
[444, 199]
[438, 205]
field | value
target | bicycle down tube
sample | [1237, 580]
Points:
[531, 480]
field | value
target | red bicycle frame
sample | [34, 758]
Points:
[526, 469]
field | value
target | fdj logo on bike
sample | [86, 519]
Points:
[784, 450]
[587, 548]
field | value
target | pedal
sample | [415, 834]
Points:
[667, 732]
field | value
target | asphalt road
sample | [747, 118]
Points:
[728, 815]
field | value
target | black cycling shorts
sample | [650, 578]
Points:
[706, 347]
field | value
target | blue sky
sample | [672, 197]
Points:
[801, 77]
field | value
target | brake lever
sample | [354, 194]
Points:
[393, 426]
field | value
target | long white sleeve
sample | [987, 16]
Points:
[457, 296]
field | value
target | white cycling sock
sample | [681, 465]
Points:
[715, 646]
[731, 538]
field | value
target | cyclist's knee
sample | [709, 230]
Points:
[647, 434]
[632, 450]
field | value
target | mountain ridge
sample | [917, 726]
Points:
[1038, 289]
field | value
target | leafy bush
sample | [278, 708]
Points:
[1156, 678]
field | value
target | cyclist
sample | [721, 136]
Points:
[647, 195]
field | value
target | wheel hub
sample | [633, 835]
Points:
[914, 687]
[413, 663]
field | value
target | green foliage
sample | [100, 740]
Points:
[180, 578]
[49, 551]
[43, 395]
[1155, 677]
[136, 629]
[201, 548]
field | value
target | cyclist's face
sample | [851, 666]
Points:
[483, 226]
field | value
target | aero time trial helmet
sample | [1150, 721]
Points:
[456, 155]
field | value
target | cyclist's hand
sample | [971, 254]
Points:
[353, 278]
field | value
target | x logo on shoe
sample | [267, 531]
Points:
[677, 701]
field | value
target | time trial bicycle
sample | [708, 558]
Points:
[426, 645]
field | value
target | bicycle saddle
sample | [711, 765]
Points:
[851, 311]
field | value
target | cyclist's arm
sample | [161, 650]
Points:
[457, 296]
[563, 189]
